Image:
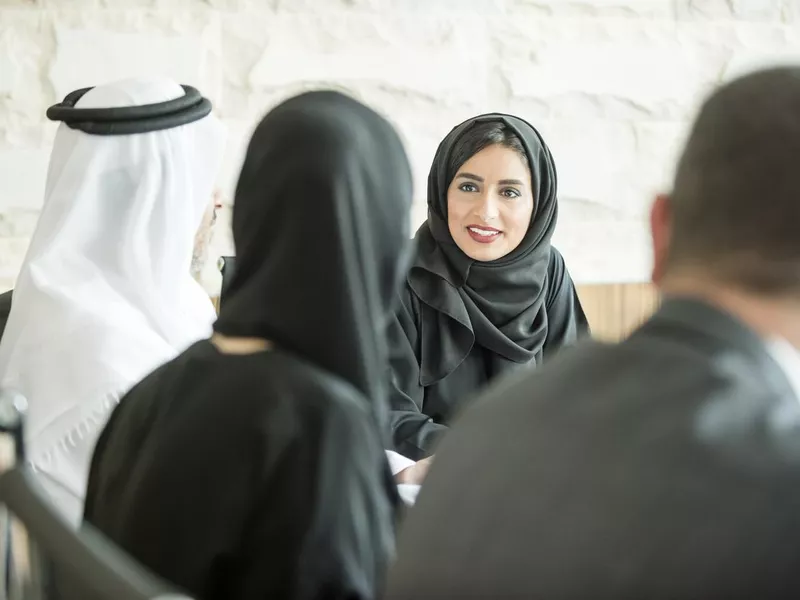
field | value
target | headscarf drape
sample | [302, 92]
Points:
[105, 293]
[321, 224]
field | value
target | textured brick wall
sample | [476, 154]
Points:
[610, 83]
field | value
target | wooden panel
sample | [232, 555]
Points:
[614, 310]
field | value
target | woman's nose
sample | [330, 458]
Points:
[487, 209]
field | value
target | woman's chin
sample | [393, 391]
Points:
[483, 252]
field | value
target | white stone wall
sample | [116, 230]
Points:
[611, 84]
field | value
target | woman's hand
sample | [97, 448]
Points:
[415, 474]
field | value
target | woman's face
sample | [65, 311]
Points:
[490, 203]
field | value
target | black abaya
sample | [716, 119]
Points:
[462, 322]
[239, 476]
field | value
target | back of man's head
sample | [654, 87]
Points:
[736, 201]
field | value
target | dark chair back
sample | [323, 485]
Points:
[43, 557]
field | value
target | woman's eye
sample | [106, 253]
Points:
[468, 187]
[510, 193]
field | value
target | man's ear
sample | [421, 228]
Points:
[660, 233]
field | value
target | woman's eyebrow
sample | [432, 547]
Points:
[469, 176]
[479, 178]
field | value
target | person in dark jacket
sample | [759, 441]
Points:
[487, 293]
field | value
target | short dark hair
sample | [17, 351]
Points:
[736, 198]
[482, 135]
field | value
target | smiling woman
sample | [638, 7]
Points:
[490, 200]
[486, 293]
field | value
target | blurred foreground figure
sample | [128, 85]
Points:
[668, 466]
[252, 465]
[105, 293]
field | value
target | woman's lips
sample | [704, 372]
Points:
[483, 234]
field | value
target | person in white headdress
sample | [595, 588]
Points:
[105, 293]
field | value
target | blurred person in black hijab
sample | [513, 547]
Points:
[666, 466]
[486, 292]
[251, 466]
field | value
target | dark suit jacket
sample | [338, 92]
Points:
[665, 467]
[5, 309]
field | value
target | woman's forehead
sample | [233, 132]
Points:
[497, 160]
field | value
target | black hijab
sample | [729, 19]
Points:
[321, 229]
[499, 305]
